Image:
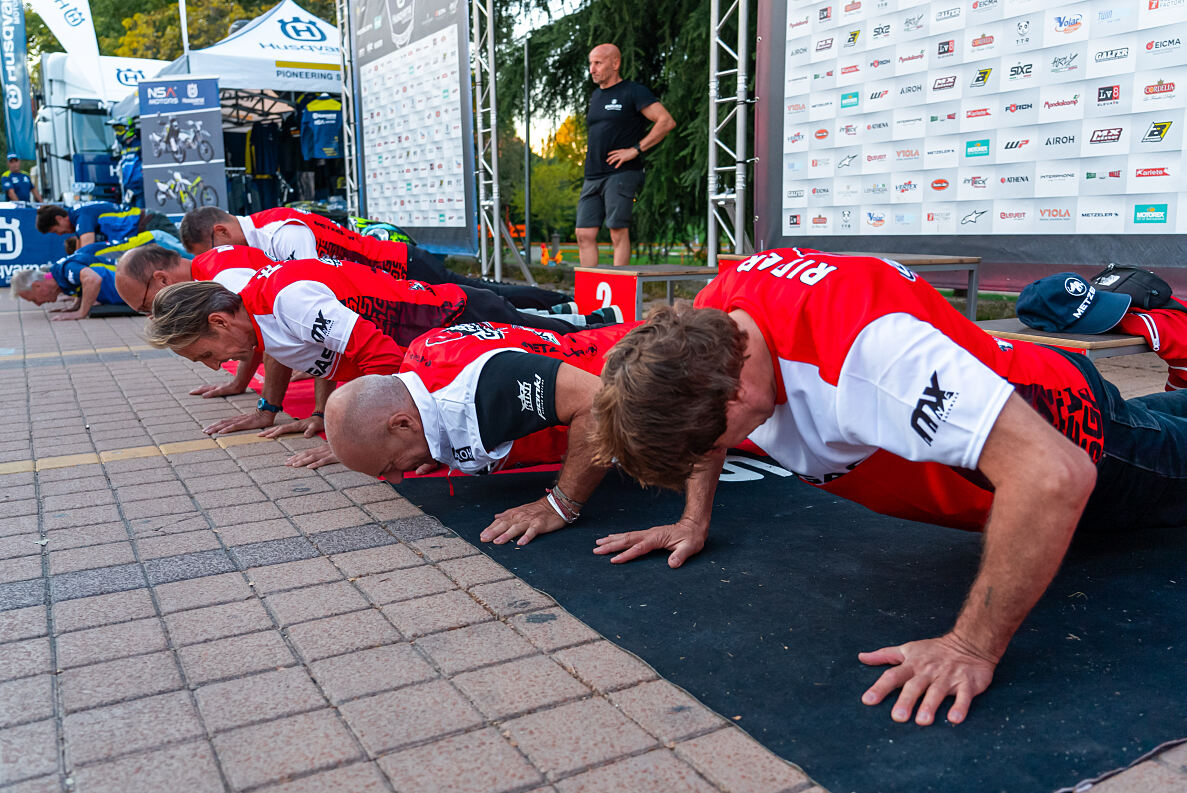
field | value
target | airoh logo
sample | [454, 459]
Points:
[1060, 140]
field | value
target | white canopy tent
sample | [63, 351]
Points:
[286, 49]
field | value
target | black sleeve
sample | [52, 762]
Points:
[515, 396]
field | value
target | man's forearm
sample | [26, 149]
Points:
[579, 475]
[276, 379]
[321, 392]
[88, 292]
[700, 489]
[246, 371]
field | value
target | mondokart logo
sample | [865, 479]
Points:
[1072, 102]
[1108, 135]
[1068, 23]
[1149, 213]
[1104, 56]
[917, 56]
[1144, 172]
[1159, 88]
[944, 83]
[939, 184]
[976, 148]
[1156, 132]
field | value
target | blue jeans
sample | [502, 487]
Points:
[1141, 481]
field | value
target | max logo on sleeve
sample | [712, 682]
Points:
[321, 328]
[932, 409]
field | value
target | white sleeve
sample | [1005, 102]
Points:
[234, 278]
[292, 241]
[310, 313]
[907, 388]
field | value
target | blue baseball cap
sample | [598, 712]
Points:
[13, 157]
[1068, 303]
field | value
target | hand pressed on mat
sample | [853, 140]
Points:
[684, 538]
[526, 522]
[931, 668]
[209, 391]
[257, 419]
[315, 457]
[309, 427]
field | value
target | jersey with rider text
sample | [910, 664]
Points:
[485, 405]
[279, 233]
[885, 393]
[106, 220]
[339, 320]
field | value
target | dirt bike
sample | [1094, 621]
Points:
[177, 142]
[189, 193]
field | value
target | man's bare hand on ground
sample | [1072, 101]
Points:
[683, 538]
[309, 427]
[210, 391]
[68, 316]
[255, 420]
[526, 523]
[932, 669]
[314, 457]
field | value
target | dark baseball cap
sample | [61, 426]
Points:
[1068, 303]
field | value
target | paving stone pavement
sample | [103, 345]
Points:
[179, 613]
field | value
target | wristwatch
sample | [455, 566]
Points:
[638, 148]
[267, 406]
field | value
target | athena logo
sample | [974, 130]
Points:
[1075, 287]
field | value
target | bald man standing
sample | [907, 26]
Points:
[619, 114]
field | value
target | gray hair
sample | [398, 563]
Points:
[22, 280]
[181, 312]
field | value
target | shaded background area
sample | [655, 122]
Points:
[766, 623]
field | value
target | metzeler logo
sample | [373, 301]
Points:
[976, 148]
[1021, 70]
[1074, 100]
[932, 409]
[1163, 44]
[950, 13]
[940, 152]
[850, 99]
[1160, 87]
[939, 184]
[943, 83]
[1108, 95]
[1142, 172]
[1108, 135]
[979, 112]
[1016, 144]
[1060, 140]
[1120, 53]
[946, 48]
[1014, 108]
[1068, 23]
[824, 44]
[1054, 213]
[1015, 179]
[821, 134]
[1156, 132]
[982, 41]
[981, 78]
[1149, 213]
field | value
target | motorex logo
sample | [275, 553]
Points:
[299, 29]
[11, 242]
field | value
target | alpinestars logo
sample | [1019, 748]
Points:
[847, 161]
[321, 328]
[1156, 132]
[933, 409]
[973, 216]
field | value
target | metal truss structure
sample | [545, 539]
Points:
[728, 162]
[355, 204]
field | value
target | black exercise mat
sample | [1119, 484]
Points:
[767, 621]
[113, 310]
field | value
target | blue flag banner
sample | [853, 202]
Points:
[18, 101]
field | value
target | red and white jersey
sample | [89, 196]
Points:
[884, 391]
[442, 370]
[1165, 329]
[233, 272]
[339, 320]
[285, 234]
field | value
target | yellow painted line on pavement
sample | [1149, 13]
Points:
[131, 453]
[63, 354]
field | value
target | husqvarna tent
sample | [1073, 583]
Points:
[285, 49]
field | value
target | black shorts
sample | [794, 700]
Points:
[610, 198]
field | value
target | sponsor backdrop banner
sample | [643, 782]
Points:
[417, 137]
[18, 98]
[71, 22]
[932, 125]
[182, 144]
[22, 246]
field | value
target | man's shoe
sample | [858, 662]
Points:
[610, 315]
[565, 308]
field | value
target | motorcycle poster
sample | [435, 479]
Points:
[182, 144]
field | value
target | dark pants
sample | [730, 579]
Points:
[424, 266]
[485, 306]
[1141, 481]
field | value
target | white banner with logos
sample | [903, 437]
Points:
[71, 22]
[978, 117]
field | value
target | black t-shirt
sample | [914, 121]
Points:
[614, 122]
[515, 396]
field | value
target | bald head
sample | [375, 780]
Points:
[374, 426]
[604, 63]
